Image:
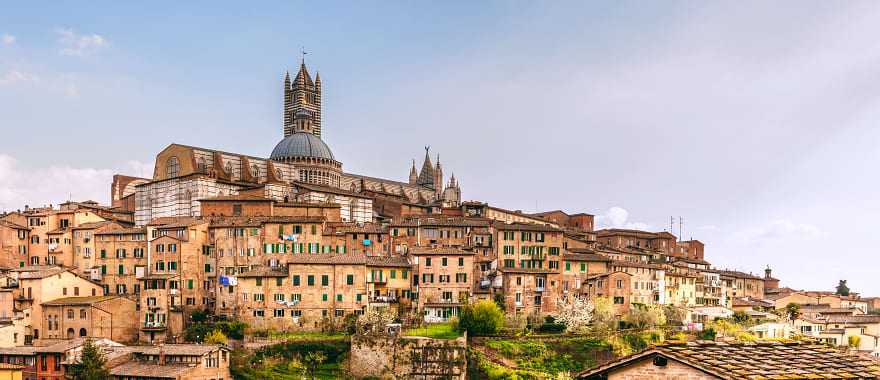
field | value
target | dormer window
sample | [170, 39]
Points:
[172, 167]
[255, 171]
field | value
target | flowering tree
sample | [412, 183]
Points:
[376, 319]
[575, 312]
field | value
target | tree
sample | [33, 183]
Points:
[842, 289]
[742, 318]
[792, 311]
[645, 316]
[575, 313]
[604, 320]
[312, 360]
[375, 319]
[216, 337]
[481, 318]
[854, 341]
[90, 365]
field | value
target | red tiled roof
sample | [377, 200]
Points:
[755, 361]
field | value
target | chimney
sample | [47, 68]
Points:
[161, 355]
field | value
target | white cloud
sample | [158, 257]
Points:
[618, 217]
[7, 39]
[20, 186]
[778, 230]
[73, 44]
[16, 76]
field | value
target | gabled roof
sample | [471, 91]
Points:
[79, 300]
[388, 261]
[755, 361]
[328, 259]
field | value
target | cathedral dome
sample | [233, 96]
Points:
[301, 144]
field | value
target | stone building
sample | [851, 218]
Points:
[176, 362]
[14, 242]
[37, 285]
[443, 282]
[110, 317]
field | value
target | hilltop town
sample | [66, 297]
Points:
[292, 243]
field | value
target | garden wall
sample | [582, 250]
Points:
[395, 357]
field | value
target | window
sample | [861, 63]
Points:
[296, 280]
[444, 262]
[325, 280]
[311, 280]
[324, 297]
[349, 279]
[339, 298]
[172, 167]
[461, 261]
[618, 300]
[427, 261]
[279, 313]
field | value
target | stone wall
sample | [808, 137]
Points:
[394, 357]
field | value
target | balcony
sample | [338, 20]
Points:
[383, 299]
[377, 280]
[154, 326]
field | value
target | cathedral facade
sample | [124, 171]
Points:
[300, 168]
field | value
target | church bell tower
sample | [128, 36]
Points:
[302, 93]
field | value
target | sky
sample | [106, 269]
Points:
[753, 121]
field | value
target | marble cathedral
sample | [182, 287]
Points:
[301, 168]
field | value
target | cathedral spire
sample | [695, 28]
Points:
[426, 176]
[413, 175]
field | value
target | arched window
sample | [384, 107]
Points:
[82, 332]
[203, 167]
[353, 188]
[69, 333]
[82, 313]
[172, 167]
[228, 168]
[255, 171]
[279, 175]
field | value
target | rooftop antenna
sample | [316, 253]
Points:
[680, 224]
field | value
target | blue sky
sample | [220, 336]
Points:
[753, 121]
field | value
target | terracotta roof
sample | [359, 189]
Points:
[423, 251]
[525, 227]
[264, 271]
[749, 301]
[736, 274]
[759, 360]
[9, 224]
[327, 258]
[79, 300]
[135, 368]
[585, 257]
[307, 204]
[18, 351]
[259, 221]
[366, 228]
[90, 225]
[635, 264]
[39, 273]
[176, 222]
[61, 347]
[179, 349]
[853, 319]
[388, 261]
[123, 231]
[440, 221]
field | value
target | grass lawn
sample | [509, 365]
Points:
[551, 357]
[307, 335]
[435, 330]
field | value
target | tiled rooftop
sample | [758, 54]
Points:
[757, 361]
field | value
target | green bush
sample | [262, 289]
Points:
[707, 334]
[551, 327]
[481, 318]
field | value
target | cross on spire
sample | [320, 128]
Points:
[303, 52]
